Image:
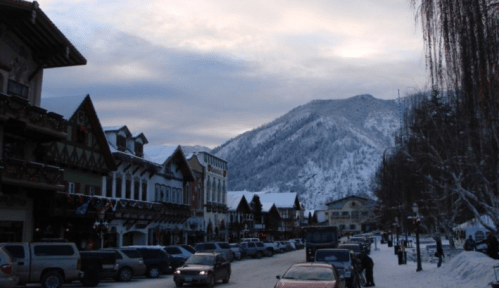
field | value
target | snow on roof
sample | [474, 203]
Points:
[112, 128]
[266, 206]
[233, 200]
[247, 194]
[65, 106]
[281, 200]
[474, 223]
[158, 154]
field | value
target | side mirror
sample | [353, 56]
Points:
[278, 277]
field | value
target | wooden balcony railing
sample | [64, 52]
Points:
[31, 174]
[38, 123]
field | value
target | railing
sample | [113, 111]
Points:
[12, 107]
[19, 172]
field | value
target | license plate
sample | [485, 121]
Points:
[188, 279]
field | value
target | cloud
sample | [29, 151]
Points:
[201, 72]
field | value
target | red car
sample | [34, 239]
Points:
[313, 275]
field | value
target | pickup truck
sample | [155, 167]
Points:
[254, 249]
[48, 263]
[97, 265]
[270, 248]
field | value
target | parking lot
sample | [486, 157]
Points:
[248, 272]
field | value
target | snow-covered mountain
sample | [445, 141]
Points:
[324, 150]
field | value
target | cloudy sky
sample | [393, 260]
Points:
[202, 72]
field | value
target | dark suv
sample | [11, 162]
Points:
[203, 268]
[157, 261]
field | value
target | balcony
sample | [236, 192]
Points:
[31, 174]
[21, 118]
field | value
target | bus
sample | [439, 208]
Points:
[318, 237]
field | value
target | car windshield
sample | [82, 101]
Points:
[354, 248]
[201, 260]
[332, 256]
[320, 237]
[310, 273]
[224, 245]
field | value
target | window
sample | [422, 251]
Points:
[144, 191]
[353, 227]
[345, 214]
[118, 187]
[53, 250]
[355, 214]
[17, 89]
[139, 148]
[13, 148]
[109, 186]
[71, 188]
[121, 143]
[136, 188]
[128, 187]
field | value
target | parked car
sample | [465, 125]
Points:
[220, 247]
[236, 249]
[97, 265]
[281, 246]
[8, 269]
[178, 255]
[292, 244]
[345, 262]
[250, 240]
[157, 261]
[270, 248]
[364, 241]
[48, 263]
[188, 248]
[355, 247]
[130, 263]
[203, 268]
[311, 275]
[298, 243]
[252, 250]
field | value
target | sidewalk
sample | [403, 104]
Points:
[467, 269]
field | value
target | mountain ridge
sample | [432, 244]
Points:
[323, 150]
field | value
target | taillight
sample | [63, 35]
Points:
[6, 268]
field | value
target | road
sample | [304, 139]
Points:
[249, 272]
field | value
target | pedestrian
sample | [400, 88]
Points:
[440, 251]
[492, 245]
[367, 264]
[469, 244]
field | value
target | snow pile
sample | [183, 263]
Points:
[471, 269]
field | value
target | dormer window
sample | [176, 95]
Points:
[121, 143]
[139, 149]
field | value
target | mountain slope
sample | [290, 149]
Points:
[323, 150]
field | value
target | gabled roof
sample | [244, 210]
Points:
[338, 204]
[281, 200]
[141, 136]
[162, 155]
[68, 106]
[65, 106]
[112, 129]
[37, 31]
[247, 194]
[233, 200]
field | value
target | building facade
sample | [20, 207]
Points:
[29, 43]
[214, 171]
[352, 214]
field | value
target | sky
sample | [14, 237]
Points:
[202, 72]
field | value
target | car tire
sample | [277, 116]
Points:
[227, 278]
[52, 279]
[270, 252]
[124, 275]
[179, 283]
[258, 254]
[153, 272]
[91, 278]
[211, 282]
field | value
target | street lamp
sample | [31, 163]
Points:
[101, 226]
[416, 220]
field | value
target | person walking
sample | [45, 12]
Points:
[440, 251]
[469, 244]
[367, 264]
[492, 245]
